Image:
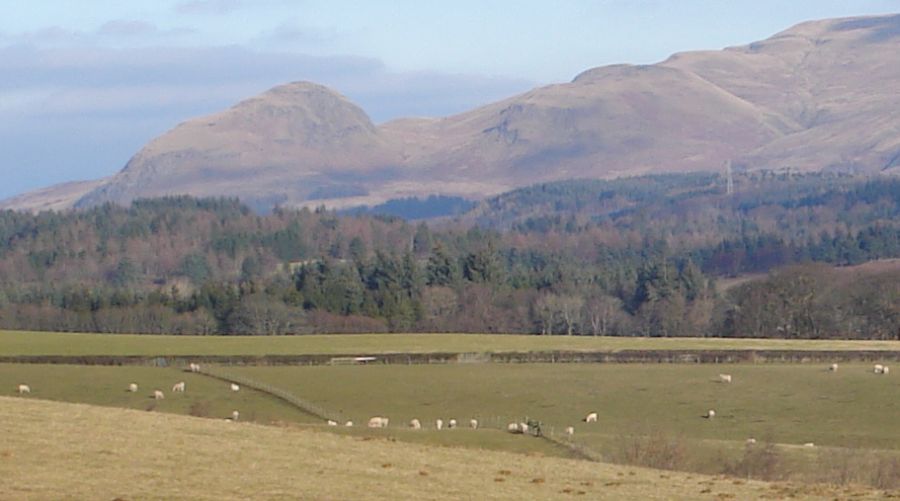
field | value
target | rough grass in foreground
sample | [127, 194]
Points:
[54, 451]
[59, 343]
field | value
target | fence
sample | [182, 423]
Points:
[304, 405]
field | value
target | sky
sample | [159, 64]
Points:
[84, 84]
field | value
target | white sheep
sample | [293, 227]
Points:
[523, 427]
[332, 423]
[451, 424]
[235, 387]
[886, 370]
[439, 424]
[513, 428]
[473, 423]
[195, 367]
[590, 418]
[833, 368]
[133, 387]
[235, 415]
[349, 424]
[24, 388]
[809, 444]
[751, 441]
[724, 378]
[879, 369]
[378, 422]
[415, 424]
[158, 395]
[178, 387]
[570, 430]
[710, 414]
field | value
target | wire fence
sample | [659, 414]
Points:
[302, 404]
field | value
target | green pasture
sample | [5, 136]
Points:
[56, 343]
[787, 404]
[107, 386]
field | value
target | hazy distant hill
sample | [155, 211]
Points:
[819, 96]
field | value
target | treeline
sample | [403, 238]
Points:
[631, 257]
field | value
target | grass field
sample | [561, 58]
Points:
[107, 386]
[791, 404]
[56, 343]
[66, 451]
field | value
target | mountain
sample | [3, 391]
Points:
[819, 96]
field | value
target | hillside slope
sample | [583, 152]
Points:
[818, 96]
[83, 452]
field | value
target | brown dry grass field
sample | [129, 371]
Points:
[53, 450]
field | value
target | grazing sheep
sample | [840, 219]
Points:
[710, 414]
[513, 428]
[133, 387]
[590, 418]
[570, 430]
[235, 415]
[751, 441]
[195, 367]
[879, 369]
[833, 368]
[724, 378]
[24, 388]
[378, 422]
[523, 427]
[439, 424]
[178, 387]
[415, 424]
[473, 423]
[332, 423]
[348, 424]
[451, 424]
[235, 387]
[809, 444]
[158, 395]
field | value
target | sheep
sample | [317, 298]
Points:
[590, 418]
[235, 387]
[886, 370]
[809, 444]
[724, 378]
[879, 369]
[158, 395]
[378, 422]
[751, 441]
[24, 388]
[439, 424]
[332, 423]
[415, 424]
[570, 430]
[195, 367]
[451, 424]
[349, 424]
[178, 387]
[473, 423]
[133, 387]
[710, 414]
[523, 427]
[235, 415]
[833, 368]
[513, 428]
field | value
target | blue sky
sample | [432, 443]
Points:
[86, 83]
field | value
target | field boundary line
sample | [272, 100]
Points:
[302, 404]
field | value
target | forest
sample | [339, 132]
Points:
[651, 256]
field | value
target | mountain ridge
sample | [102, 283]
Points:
[817, 96]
